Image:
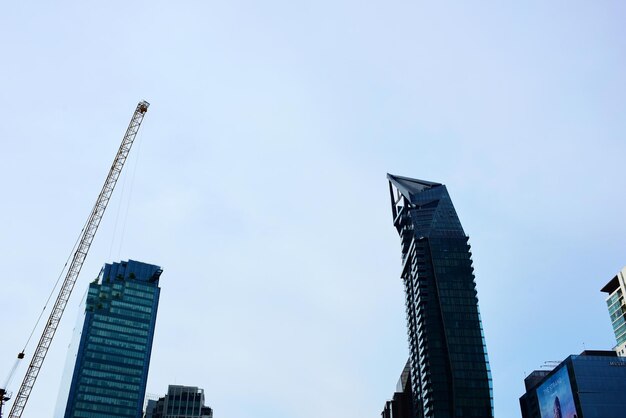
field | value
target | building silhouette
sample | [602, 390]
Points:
[109, 357]
[450, 375]
[616, 289]
[589, 385]
[401, 404]
[180, 402]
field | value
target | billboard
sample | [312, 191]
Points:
[555, 396]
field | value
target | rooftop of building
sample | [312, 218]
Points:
[131, 269]
[409, 186]
[537, 377]
[614, 284]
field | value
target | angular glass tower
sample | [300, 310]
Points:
[111, 351]
[450, 373]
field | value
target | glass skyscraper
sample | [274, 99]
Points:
[450, 374]
[616, 289]
[111, 351]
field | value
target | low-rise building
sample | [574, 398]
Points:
[180, 402]
[401, 405]
[589, 385]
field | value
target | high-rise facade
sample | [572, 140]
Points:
[450, 374]
[180, 402]
[111, 351]
[616, 289]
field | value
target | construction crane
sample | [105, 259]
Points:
[86, 238]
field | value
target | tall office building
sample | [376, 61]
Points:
[109, 357]
[450, 374]
[180, 402]
[616, 289]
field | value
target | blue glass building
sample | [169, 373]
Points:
[589, 385]
[450, 375]
[616, 304]
[113, 346]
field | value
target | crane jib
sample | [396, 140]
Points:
[21, 398]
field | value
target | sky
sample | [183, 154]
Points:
[258, 182]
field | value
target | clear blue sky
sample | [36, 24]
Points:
[259, 181]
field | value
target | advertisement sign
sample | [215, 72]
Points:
[555, 396]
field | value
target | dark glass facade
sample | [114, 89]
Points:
[180, 402]
[115, 343]
[595, 381]
[450, 374]
[401, 405]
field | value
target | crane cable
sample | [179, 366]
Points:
[117, 214]
[11, 373]
[125, 200]
[130, 195]
[20, 355]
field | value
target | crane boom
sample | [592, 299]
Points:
[87, 235]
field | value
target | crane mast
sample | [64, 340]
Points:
[87, 235]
